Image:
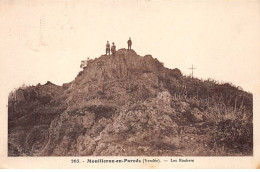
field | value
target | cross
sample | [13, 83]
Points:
[192, 71]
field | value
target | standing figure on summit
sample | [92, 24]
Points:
[113, 49]
[108, 48]
[129, 42]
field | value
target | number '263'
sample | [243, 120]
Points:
[75, 161]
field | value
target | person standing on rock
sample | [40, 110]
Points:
[108, 48]
[129, 42]
[113, 49]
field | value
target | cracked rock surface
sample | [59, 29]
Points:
[126, 105]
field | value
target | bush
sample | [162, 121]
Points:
[234, 136]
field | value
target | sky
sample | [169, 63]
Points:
[46, 40]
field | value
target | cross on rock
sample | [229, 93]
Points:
[192, 71]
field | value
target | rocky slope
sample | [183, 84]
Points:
[130, 105]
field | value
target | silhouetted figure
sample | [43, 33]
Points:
[108, 48]
[129, 42]
[113, 49]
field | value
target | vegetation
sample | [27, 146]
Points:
[227, 108]
[131, 101]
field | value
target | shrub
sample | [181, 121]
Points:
[234, 136]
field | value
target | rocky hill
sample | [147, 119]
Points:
[129, 105]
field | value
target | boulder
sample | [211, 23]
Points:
[182, 107]
[196, 115]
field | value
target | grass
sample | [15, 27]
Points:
[231, 130]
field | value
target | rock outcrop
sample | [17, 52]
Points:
[122, 105]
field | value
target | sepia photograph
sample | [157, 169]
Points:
[135, 83]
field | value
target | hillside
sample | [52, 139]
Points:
[129, 105]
